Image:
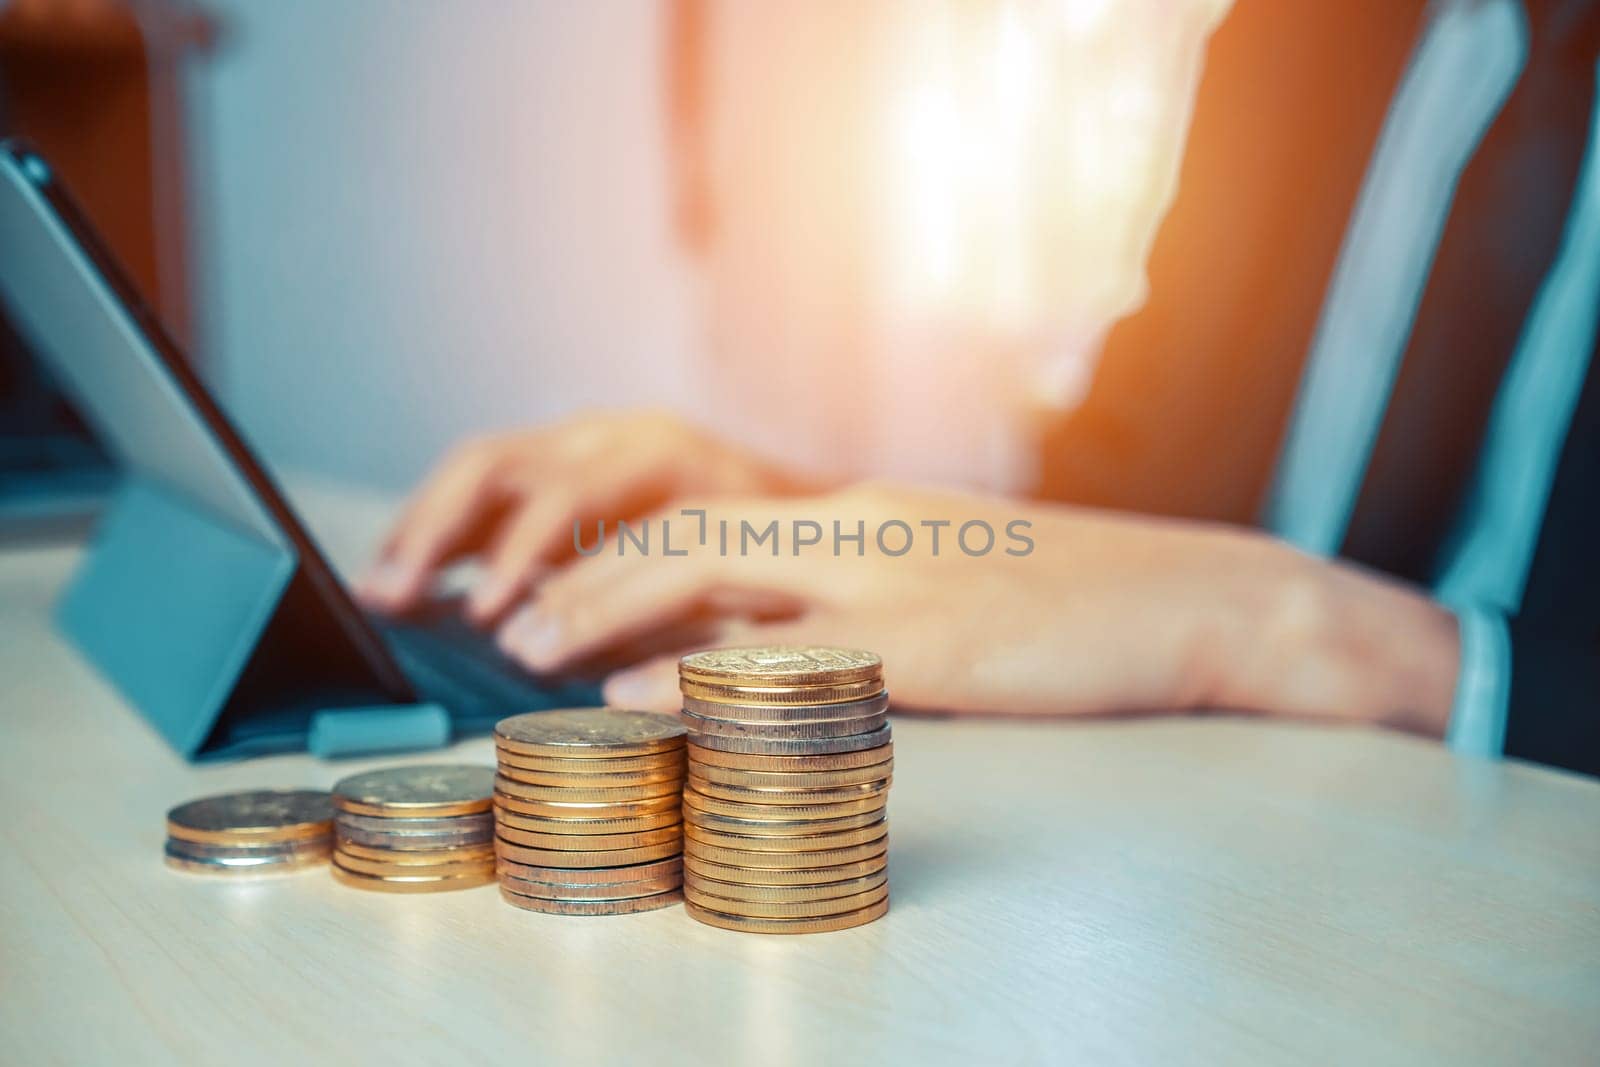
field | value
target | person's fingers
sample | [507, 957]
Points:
[653, 593]
[677, 536]
[446, 510]
[651, 541]
[436, 525]
[548, 633]
[650, 686]
[653, 685]
[541, 536]
[529, 541]
[700, 630]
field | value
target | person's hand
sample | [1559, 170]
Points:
[1104, 613]
[514, 498]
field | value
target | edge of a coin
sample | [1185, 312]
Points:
[630, 906]
[828, 924]
[410, 885]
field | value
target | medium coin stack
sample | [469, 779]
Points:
[587, 811]
[415, 829]
[266, 831]
[789, 769]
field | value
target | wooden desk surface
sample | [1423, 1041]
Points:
[1159, 891]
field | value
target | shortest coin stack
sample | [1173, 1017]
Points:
[266, 831]
[415, 829]
[587, 811]
[785, 825]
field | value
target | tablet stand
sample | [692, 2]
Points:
[211, 633]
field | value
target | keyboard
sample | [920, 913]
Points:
[459, 666]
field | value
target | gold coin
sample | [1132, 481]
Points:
[759, 797]
[779, 713]
[771, 876]
[254, 817]
[591, 907]
[588, 809]
[798, 909]
[807, 843]
[638, 872]
[420, 857]
[592, 733]
[699, 852]
[783, 894]
[384, 869]
[788, 696]
[834, 761]
[806, 828]
[563, 794]
[747, 924]
[786, 665]
[746, 779]
[250, 863]
[613, 857]
[627, 824]
[616, 891]
[700, 725]
[591, 842]
[423, 791]
[591, 765]
[631, 779]
[411, 884]
[798, 810]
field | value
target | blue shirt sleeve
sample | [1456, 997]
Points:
[1483, 687]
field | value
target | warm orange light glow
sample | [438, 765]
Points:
[927, 212]
[1031, 149]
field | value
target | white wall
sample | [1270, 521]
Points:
[417, 220]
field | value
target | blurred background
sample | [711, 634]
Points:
[877, 238]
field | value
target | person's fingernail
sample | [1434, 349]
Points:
[490, 596]
[628, 687]
[506, 636]
[533, 637]
[385, 581]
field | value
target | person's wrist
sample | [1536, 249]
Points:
[1327, 640]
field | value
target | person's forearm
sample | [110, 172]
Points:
[1310, 637]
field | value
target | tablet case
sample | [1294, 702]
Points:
[210, 633]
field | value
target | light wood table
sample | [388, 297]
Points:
[1185, 891]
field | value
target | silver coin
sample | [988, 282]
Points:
[410, 842]
[591, 907]
[700, 725]
[608, 891]
[268, 862]
[202, 852]
[850, 709]
[636, 872]
[454, 824]
[814, 746]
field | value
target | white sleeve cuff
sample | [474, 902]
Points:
[1483, 688]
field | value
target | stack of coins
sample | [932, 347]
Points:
[267, 831]
[415, 829]
[587, 811]
[789, 769]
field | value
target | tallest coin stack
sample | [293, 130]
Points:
[784, 808]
